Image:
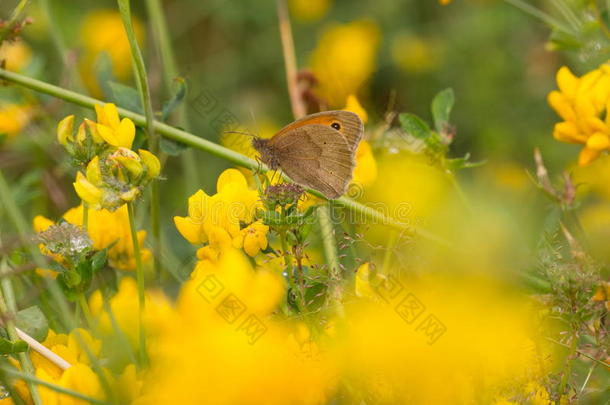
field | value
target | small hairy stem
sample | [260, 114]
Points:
[153, 139]
[140, 281]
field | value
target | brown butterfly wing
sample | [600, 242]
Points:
[349, 124]
[315, 157]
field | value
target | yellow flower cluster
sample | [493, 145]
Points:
[218, 219]
[114, 175]
[582, 103]
[105, 228]
[102, 32]
[344, 59]
[258, 358]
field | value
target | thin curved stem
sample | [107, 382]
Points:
[215, 149]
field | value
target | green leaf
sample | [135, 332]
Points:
[315, 296]
[441, 108]
[33, 322]
[98, 261]
[414, 126]
[172, 147]
[20, 346]
[6, 346]
[177, 98]
[126, 97]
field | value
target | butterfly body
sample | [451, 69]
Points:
[316, 151]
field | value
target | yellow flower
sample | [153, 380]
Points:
[16, 55]
[102, 32]
[582, 103]
[215, 218]
[309, 10]
[259, 359]
[14, 118]
[365, 172]
[252, 238]
[352, 104]
[344, 59]
[124, 308]
[114, 131]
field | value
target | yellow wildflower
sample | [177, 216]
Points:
[582, 103]
[14, 118]
[116, 132]
[216, 219]
[15, 54]
[252, 238]
[344, 59]
[352, 104]
[260, 356]
[102, 32]
[365, 172]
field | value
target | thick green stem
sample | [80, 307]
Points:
[153, 140]
[140, 282]
[8, 308]
[330, 251]
[197, 142]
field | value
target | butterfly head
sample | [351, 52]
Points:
[267, 153]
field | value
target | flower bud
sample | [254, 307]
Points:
[64, 130]
[151, 162]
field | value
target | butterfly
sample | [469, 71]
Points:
[316, 151]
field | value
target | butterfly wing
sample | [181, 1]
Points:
[315, 157]
[349, 124]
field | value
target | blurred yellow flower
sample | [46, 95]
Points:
[217, 218]
[15, 54]
[252, 238]
[415, 54]
[352, 104]
[309, 10]
[14, 118]
[223, 318]
[444, 2]
[124, 308]
[365, 172]
[102, 31]
[344, 59]
[582, 103]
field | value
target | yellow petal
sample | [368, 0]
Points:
[566, 81]
[587, 156]
[251, 245]
[110, 116]
[567, 131]
[130, 195]
[41, 223]
[107, 134]
[94, 173]
[190, 230]
[363, 286]
[81, 134]
[133, 166]
[598, 141]
[352, 104]
[151, 162]
[92, 126]
[87, 191]
[197, 205]
[64, 129]
[231, 177]
[126, 132]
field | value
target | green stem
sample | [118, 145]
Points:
[8, 308]
[170, 72]
[57, 388]
[330, 251]
[544, 17]
[153, 140]
[387, 258]
[15, 16]
[84, 306]
[85, 217]
[569, 360]
[213, 148]
[140, 281]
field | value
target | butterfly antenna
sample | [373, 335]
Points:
[241, 133]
